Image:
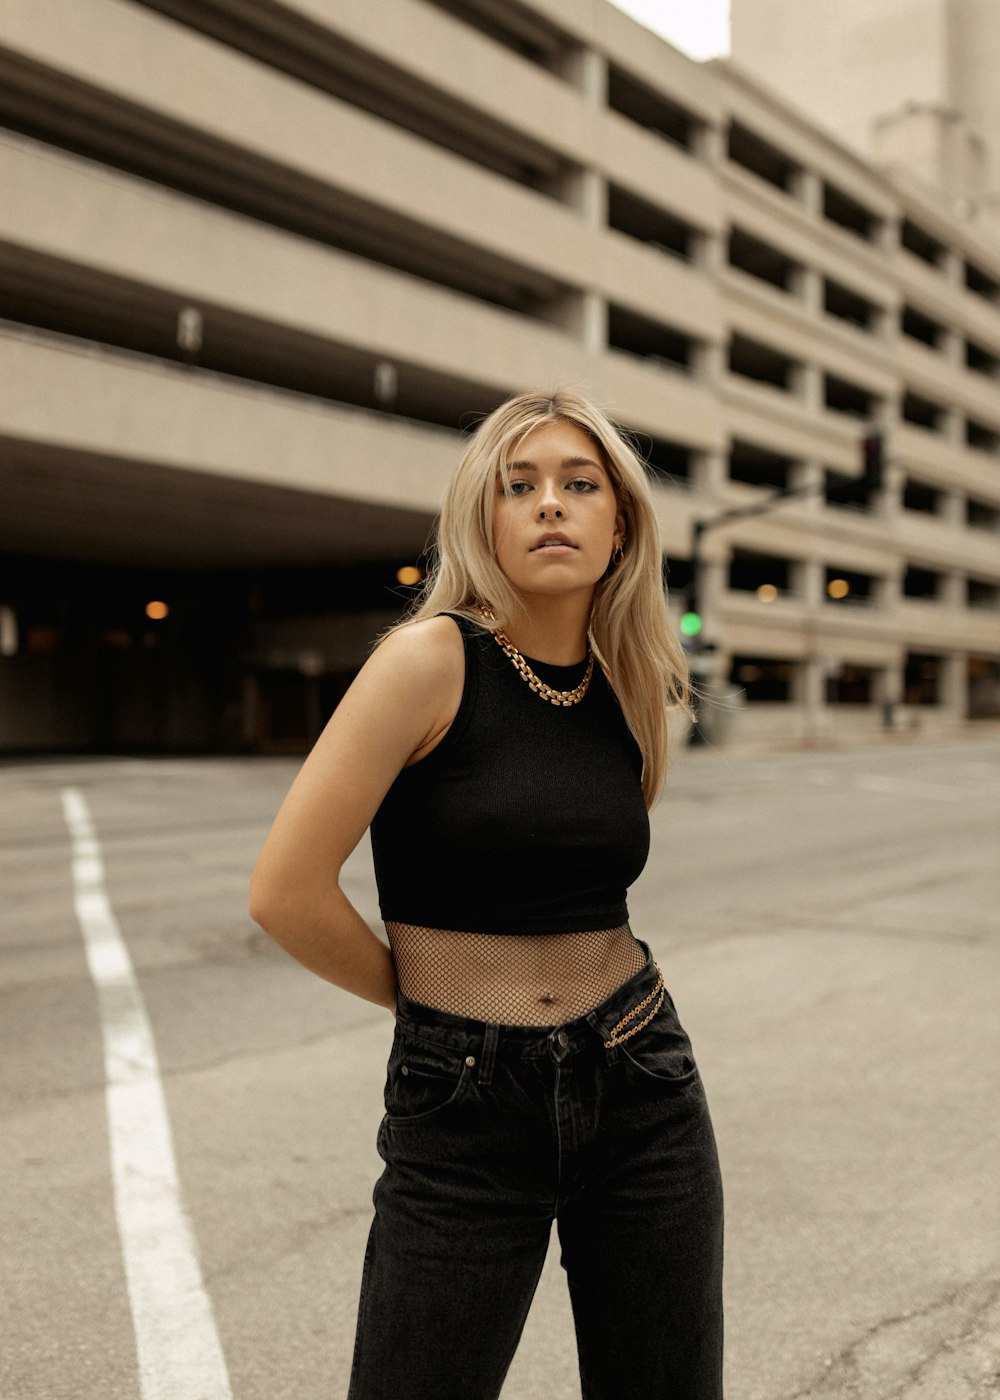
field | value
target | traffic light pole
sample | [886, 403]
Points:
[873, 468]
[699, 528]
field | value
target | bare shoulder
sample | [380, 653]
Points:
[427, 651]
[425, 663]
[413, 680]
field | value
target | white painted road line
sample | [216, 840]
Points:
[179, 1353]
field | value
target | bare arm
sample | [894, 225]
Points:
[401, 700]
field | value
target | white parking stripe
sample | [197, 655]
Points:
[180, 1356]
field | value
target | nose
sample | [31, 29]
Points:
[550, 503]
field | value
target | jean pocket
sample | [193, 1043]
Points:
[422, 1079]
[662, 1050]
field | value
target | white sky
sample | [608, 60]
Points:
[699, 27]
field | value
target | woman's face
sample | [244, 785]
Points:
[558, 487]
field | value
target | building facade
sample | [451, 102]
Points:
[911, 83]
[262, 264]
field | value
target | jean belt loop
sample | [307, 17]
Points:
[600, 1029]
[489, 1054]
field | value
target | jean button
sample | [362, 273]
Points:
[470, 1060]
[563, 1039]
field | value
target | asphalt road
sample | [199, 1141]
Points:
[829, 925]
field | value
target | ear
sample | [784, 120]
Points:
[620, 532]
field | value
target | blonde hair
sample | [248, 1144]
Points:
[631, 632]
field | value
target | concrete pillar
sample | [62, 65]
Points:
[711, 253]
[584, 314]
[711, 474]
[809, 191]
[588, 71]
[886, 235]
[594, 321]
[809, 575]
[809, 689]
[810, 288]
[953, 690]
[592, 198]
[594, 306]
[887, 591]
[883, 682]
[953, 267]
[809, 386]
[884, 322]
[808, 476]
[953, 591]
[711, 363]
[953, 348]
[712, 147]
[953, 426]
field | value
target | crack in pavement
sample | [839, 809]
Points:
[40, 1098]
[949, 1326]
[299, 1237]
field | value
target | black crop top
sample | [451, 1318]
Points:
[527, 817]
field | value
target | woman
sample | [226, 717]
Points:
[505, 744]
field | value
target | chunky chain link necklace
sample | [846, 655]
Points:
[535, 682]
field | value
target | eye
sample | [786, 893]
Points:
[514, 488]
[583, 484]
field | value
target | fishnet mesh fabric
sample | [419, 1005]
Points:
[513, 979]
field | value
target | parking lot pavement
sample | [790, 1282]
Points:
[827, 923]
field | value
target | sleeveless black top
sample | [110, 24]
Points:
[527, 817]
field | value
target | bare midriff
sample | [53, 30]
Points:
[513, 979]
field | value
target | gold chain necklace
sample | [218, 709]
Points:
[535, 682]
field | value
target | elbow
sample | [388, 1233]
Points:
[285, 900]
[281, 909]
[261, 905]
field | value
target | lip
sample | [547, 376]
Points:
[556, 538]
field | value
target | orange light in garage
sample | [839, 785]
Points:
[409, 574]
[767, 592]
[838, 588]
[156, 610]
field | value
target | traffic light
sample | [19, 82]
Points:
[873, 461]
[691, 616]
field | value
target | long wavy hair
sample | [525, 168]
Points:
[630, 630]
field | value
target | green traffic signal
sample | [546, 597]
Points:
[691, 624]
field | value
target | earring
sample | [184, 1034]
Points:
[618, 555]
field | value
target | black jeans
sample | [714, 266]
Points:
[492, 1130]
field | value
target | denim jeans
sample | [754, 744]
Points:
[490, 1132]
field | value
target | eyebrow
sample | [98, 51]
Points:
[567, 462]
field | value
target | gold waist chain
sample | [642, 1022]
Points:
[615, 1038]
